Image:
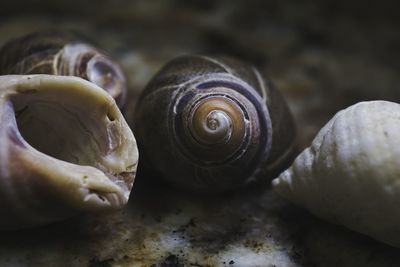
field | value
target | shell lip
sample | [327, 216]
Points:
[106, 184]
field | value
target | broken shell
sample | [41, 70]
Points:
[351, 173]
[213, 124]
[64, 148]
[61, 53]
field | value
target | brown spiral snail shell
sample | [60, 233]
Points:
[64, 54]
[211, 124]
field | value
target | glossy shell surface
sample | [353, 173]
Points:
[212, 124]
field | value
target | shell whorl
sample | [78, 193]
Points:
[205, 123]
[215, 123]
[62, 54]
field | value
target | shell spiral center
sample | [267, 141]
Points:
[211, 124]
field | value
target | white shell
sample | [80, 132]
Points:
[351, 173]
[65, 148]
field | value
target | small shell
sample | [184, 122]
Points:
[64, 148]
[351, 173]
[62, 54]
[213, 124]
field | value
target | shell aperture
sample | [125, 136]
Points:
[64, 149]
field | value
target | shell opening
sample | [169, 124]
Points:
[62, 130]
[66, 149]
[73, 133]
[105, 74]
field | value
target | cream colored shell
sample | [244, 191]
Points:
[64, 149]
[351, 173]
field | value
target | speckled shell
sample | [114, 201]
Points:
[164, 125]
[64, 149]
[61, 53]
[351, 173]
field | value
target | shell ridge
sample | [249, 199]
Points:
[261, 83]
[218, 63]
[355, 180]
[162, 89]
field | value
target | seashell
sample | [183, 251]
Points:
[64, 148]
[351, 173]
[213, 124]
[62, 54]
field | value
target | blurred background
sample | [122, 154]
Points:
[312, 50]
[322, 55]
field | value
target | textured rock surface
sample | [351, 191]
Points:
[323, 56]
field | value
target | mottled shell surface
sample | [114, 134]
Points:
[64, 149]
[351, 173]
[63, 54]
[211, 124]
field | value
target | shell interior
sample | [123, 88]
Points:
[69, 135]
[63, 130]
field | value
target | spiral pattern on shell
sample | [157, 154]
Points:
[210, 124]
[62, 54]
